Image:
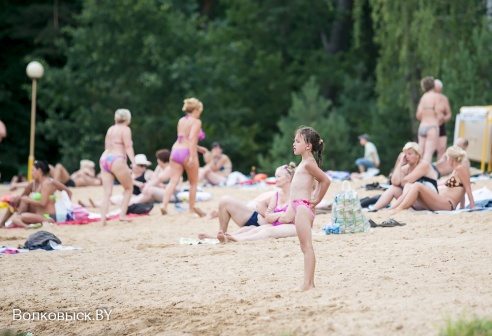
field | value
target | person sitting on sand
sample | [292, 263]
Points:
[153, 190]
[19, 206]
[84, 177]
[140, 174]
[18, 181]
[37, 202]
[409, 168]
[263, 223]
[218, 166]
[443, 167]
[448, 197]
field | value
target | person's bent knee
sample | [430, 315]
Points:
[225, 200]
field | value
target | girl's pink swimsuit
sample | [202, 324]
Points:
[301, 202]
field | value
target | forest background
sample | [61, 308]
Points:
[262, 68]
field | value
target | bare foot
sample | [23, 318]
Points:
[205, 235]
[163, 211]
[198, 211]
[230, 238]
[302, 288]
[103, 222]
[125, 219]
[212, 214]
[222, 237]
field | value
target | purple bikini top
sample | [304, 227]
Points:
[201, 135]
[276, 209]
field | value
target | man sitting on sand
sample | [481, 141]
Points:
[218, 166]
[84, 177]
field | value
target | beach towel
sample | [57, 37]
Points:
[93, 217]
[192, 241]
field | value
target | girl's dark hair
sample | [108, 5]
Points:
[311, 136]
[43, 165]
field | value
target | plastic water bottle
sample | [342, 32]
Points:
[333, 228]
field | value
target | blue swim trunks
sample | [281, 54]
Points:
[253, 220]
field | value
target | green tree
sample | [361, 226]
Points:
[309, 108]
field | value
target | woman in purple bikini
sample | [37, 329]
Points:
[184, 154]
[113, 162]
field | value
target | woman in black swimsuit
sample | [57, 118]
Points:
[449, 197]
[409, 168]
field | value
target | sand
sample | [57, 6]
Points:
[392, 281]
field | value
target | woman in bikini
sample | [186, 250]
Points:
[449, 197]
[113, 162]
[279, 217]
[409, 168]
[428, 132]
[37, 203]
[184, 154]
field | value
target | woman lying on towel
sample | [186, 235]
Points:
[409, 168]
[449, 197]
[37, 202]
[275, 222]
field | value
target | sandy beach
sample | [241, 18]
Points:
[391, 281]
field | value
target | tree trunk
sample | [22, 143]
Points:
[339, 37]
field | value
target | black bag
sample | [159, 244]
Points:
[365, 202]
[140, 208]
[40, 240]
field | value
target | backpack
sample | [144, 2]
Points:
[140, 208]
[40, 240]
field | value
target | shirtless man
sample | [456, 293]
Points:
[444, 114]
[443, 167]
[84, 177]
[218, 166]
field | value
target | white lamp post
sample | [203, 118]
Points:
[35, 71]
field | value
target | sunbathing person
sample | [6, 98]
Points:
[19, 205]
[153, 191]
[276, 213]
[449, 197]
[409, 168]
[84, 177]
[218, 166]
[37, 202]
[443, 167]
[18, 181]
[139, 173]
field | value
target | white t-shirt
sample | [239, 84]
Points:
[369, 149]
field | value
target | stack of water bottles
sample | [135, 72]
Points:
[346, 213]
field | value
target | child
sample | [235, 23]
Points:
[307, 141]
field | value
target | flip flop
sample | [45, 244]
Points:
[390, 222]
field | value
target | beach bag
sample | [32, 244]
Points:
[347, 215]
[63, 208]
[140, 208]
[41, 240]
[79, 212]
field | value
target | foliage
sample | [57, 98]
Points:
[309, 108]
[249, 61]
[467, 327]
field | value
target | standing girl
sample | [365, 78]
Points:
[117, 146]
[307, 142]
